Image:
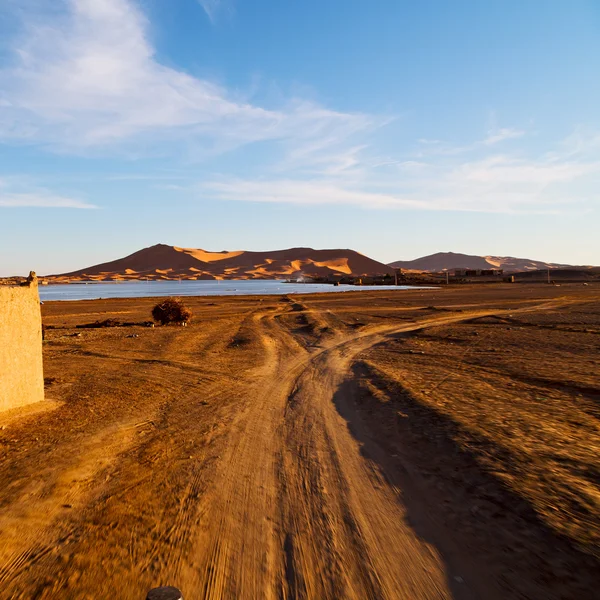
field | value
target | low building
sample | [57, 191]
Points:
[478, 272]
[21, 368]
[491, 272]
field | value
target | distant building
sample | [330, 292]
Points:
[477, 272]
[491, 272]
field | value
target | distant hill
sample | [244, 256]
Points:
[445, 261]
[171, 262]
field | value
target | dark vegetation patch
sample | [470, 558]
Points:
[171, 311]
[298, 307]
[112, 323]
[238, 340]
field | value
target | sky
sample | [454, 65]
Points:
[392, 127]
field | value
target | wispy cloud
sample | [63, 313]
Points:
[553, 183]
[38, 200]
[499, 135]
[509, 171]
[581, 142]
[213, 7]
[86, 78]
[12, 196]
[17, 192]
[495, 135]
[312, 192]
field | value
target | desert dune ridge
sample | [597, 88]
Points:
[173, 262]
[447, 261]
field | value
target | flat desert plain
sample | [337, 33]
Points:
[420, 444]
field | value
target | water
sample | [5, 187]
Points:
[144, 289]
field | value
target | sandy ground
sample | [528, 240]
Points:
[398, 445]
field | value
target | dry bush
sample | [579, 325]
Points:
[171, 310]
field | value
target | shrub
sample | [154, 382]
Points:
[171, 310]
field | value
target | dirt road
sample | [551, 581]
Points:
[230, 458]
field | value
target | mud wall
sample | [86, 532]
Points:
[21, 369]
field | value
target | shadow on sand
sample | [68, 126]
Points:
[492, 541]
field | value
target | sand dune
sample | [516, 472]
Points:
[340, 265]
[453, 260]
[205, 256]
[172, 262]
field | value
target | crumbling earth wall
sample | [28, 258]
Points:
[21, 368]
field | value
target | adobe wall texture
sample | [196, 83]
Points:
[21, 369]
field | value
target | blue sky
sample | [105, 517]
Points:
[395, 128]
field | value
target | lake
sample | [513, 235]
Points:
[144, 289]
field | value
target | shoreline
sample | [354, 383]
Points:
[204, 289]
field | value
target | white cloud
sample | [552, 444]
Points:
[444, 195]
[503, 170]
[17, 194]
[499, 135]
[39, 200]
[504, 183]
[494, 136]
[312, 192]
[515, 186]
[495, 184]
[87, 78]
[580, 143]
